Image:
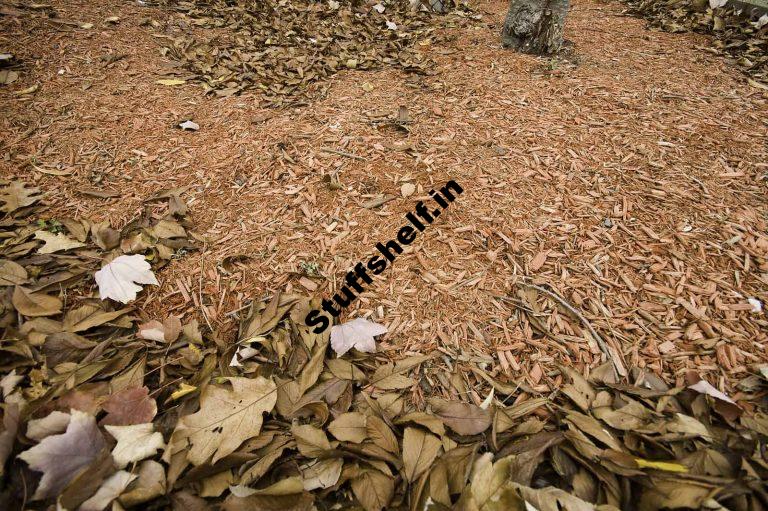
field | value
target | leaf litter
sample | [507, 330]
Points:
[400, 389]
[284, 48]
[107, 416]
[736, 30]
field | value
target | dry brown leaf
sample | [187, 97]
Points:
[419, 451]
[349, 427]
[35, 304]
[463, 418]
[227, 418]
[130, 406]
[373, 489]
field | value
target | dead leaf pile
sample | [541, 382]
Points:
[284, 47]
[100, 411]
[734, 32]
[63, 344]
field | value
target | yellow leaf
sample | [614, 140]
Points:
[184, 389]
[661, 465]
[171, 82]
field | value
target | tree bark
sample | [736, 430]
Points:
[535, 26]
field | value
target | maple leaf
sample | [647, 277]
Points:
[118, 280]
[109, 491]
[135, 442]
[227, 418]
[56, 242]
[16, 195]
[54, 423]
[61, 457]
[358, 333]
[129, 406]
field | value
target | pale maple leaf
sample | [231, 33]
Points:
[109, 491]
[358, 333]
[54, 423]
[61, 457]
[135, 442]
[227, 418]
[118, 280]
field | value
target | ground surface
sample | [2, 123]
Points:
[633, 184]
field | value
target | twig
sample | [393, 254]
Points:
[600, 342]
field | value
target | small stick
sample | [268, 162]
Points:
[600, 342]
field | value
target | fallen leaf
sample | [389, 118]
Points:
[661, 465]
[419, 451]
[322, 474]
[35, 304]
[358, 333]
[189, 126]
[7, 76]
[117, 280]
[704, 387]
[52, 424]
[311, 441]
[373, 489]
[151, 484]
[56, 242]
[171, 82]
[109, 491]
[349, 427]
[227, 418]
[17, 195]
[129, 406]
[463, 418]
[12, 273]
[167, 331]
[134, 443]
[61, 457]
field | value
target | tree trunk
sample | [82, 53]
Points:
[535, 26]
